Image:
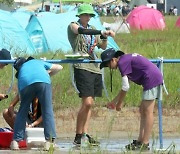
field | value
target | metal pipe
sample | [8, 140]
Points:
[91, 61]
[160, 66]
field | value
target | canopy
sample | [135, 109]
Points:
[23, 1]
[107, 2]
[73, 1]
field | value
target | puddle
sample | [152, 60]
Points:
[115, 146]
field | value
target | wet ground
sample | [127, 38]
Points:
[117, 146]
[65, 146]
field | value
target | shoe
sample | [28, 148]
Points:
[48, 145]
[77, 140]
[144, 147]
[137, 145]
[92, 141]
[14, 145]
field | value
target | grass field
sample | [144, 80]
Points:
[151, 44]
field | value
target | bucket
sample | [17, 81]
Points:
[35, 137]
[6, 138]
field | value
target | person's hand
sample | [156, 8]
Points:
[107, 33]
[111, 105]
[3, 96]
[119, 106]
[111, 33]
[30, 125]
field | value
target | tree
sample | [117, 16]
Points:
[7, 2]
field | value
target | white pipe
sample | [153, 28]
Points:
[165, 5]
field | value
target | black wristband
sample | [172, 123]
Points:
[103, 37]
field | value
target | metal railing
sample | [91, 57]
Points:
[159, 62]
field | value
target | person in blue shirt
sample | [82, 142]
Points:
[34, 81]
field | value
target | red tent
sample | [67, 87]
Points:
[178, 22]
[144, 17]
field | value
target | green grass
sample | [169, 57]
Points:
[151, 44]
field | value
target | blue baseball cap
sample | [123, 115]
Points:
[107, 55]
[5, 55]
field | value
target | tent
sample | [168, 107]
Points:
[13, 37]
[22, 16]
[144, 17]
[118, 27]
[178, 22]
[48, 31]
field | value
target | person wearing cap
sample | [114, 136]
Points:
[4, 55]
[141, 71]
[83, 39]
[34, 82]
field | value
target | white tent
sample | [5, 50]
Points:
[23, 1]
[118, 27]
[107, 2]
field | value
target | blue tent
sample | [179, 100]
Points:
[22, 16]
[13, 37]
[48, 31]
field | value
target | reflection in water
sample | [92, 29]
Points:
[169, 144]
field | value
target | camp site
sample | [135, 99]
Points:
[47, 40]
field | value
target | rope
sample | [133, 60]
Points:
[161, 62]
[104, 86]
[72, 77]
[12, 81]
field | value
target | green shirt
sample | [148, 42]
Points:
[78, 44]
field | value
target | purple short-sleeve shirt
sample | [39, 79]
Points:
[140, 70]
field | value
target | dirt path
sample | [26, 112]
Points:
[105, 123]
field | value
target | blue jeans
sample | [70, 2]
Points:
[43, 92]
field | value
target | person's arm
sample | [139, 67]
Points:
[121, 97]
[117, 102]
[12, 105]
[35, 123]
[55, 68]
[79, 30]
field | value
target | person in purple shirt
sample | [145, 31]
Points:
[141, 71]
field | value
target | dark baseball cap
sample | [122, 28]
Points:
[5, 55]
[107, 55]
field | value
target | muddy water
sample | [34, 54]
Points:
[117, 146]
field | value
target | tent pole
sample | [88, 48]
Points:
[60, 4]
[42, 7]
[165, 6]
